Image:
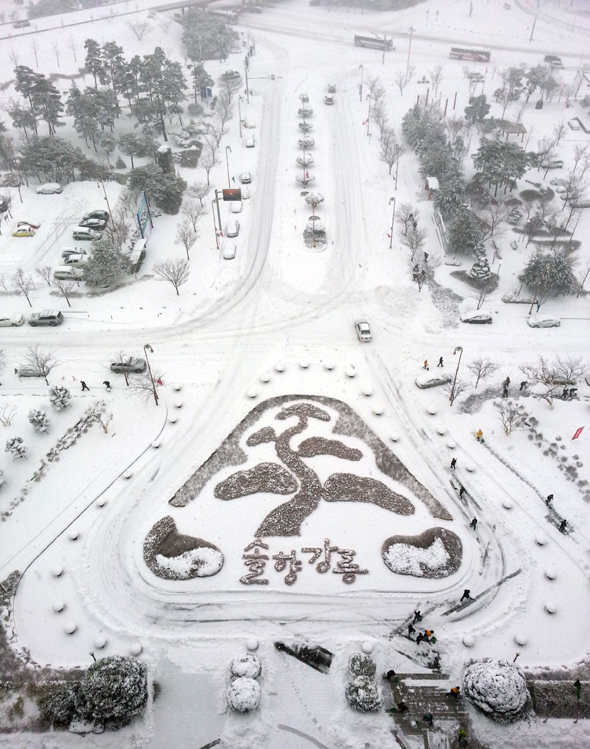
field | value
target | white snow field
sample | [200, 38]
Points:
[260, 366]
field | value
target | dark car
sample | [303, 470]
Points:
[104, 215]
[94, 223]
[127, 366]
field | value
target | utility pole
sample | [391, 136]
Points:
[214, 224]
[247, 86]
[392, 200]
[147, 348]
[396, 169]
[369, 115]
[533, 29]
[457, 348]
[412, 29]
[362, 76]
[218, 213]
[240, 113]
[227, 148]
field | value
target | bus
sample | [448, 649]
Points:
[374, 42]
[477, 55]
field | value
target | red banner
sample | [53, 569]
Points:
[578, 433]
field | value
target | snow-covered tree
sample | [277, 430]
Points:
[57, 703]
[481, 368]
[364, 694]
[41, 361]
[39, 420]
[15, 446]
[497, 688]
[512, 415]
[464, 232]
[175, 272]
[113, 690]
[165, 189]
[480, 270]
[550, 275]
[106, 265]
[390, 148]
[243, 696]
[477, 109]
[360, 664]
[59, 397]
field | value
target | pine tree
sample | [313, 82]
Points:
[550, 275]
[106, 266]
[113, 690]
[16, 447]
[39, 420]
[480, 270]
[94, 62]
[59, 397]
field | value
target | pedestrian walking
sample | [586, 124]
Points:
[479, 435]
[466, 595]
[455, 692]
[473, 523]
[15, 371]
[84, 386]
[538, 303]
[426, 257]
[417, 616]
[523, 384]
[411, 631]
[461, 491]
[390, 675]
[440, 362]
[549, 500]
[453, 463]
[402, 707]
[428, 634]
[428, 718]
[578, 687]
[419, 638]
[107, 384]
[425, 365]
[562, 526]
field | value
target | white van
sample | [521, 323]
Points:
[67, 273]
[233, 227]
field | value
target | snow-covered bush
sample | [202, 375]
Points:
[248, 665]
[39, 420]
[15, 446]
[364, 694]
[243, 695]
[497, 688]
[59, 397]
[360, 664]
[113, 691]
[57, 703]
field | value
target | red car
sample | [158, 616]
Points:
[28, 223]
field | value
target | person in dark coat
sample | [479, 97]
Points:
[466, 595]
[84, 386]
[440, 362]
[417, 616]
[107, 384]
[473, 523]
[461, 491]
[453, 463]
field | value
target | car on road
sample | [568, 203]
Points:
[543, 321]
[104, 215]
[94, 223]
[432, 380]
[21, 23]
[329, 100]
[476, 317]
[235, 206]
[229, 251]
[553, 164]
[51, 317]
[245, 178]
[24, 231]
[11, 321]
[132, 365]
[363, 331]
[49, 188]
[250, 141]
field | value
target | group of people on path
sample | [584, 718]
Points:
[440, 363]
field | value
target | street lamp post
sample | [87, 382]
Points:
[214, 224]
[409, 50]
[362, 76]
[240, 113]
[392, 200]
[369, 115]
[227, 148]
[147, 348]
[460, 349]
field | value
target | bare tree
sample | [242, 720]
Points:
[224, 108]
[436, 76]
[482, 368]
[401, 80]
[545, 150]
[414, 239]
[558, 132]
[45, 272]
[3, 358]
[390, 148]
[570, 369]
[144, 385]
[208, 160]
[583, 277]
[41, 361]
[4, 283]
[198, 190]
[56, 45]
[72, 45]
[186, 235]
[23, 283]
[379, 115]
[493, 218]
[7, 414]
[454, 389]
[512, 415]
[454, 126]
[374, 85]
[407, 216]
[65, 288]
[194, 212]
[230, 85]
[580, 151]
[543, 373]
[139, 27]
[175, 272]
[13, 57]
[34, 44]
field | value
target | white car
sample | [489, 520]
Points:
[229, 251]
[543, 321]
[76, 260]
[245, 178]
[554, 164]
[235, 206]
[250, 141]
[245, 193]
[11, 321]
[477, 317]
[363, 331]
[574, 124]
[432, 380]
[558, 181]
[49, 188]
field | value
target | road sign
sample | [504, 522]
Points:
[144, 217]
[232, 194]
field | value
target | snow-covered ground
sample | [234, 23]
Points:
[279, 320]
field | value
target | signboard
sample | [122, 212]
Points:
[206, 92]
[144, 217]
[232, 194]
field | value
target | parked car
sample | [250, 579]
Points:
[229, 251]
[67, 251]
[331, 88]
[30, 372]
[24, 231]
[574, 124]
[133, 365]
[49, 188]
[67, 273]
[28, 223]
[363, 331]
[558, 181]
[551, 58]
[104, 215]
[245, 193]
[85, 234]
[76, 260]
[233, 227]
[477, 317]
[553, 164]
[11, 321]
[432, 380]
[329, 100]
[235, 206]
[245, 178]
[94, 223]
[250, 141]
[51, 317]
[543, 321]
[21, 23]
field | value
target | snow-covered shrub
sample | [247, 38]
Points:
[248, 665]
[39, 420]
[15, 446]
[243, 695]
[57, 703]
[113, 691]
[497, 688]
[360, 664]
[59, 397]
[364, 694]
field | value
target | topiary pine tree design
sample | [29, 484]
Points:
[59, 397]
[39, 420]
[481, 268]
